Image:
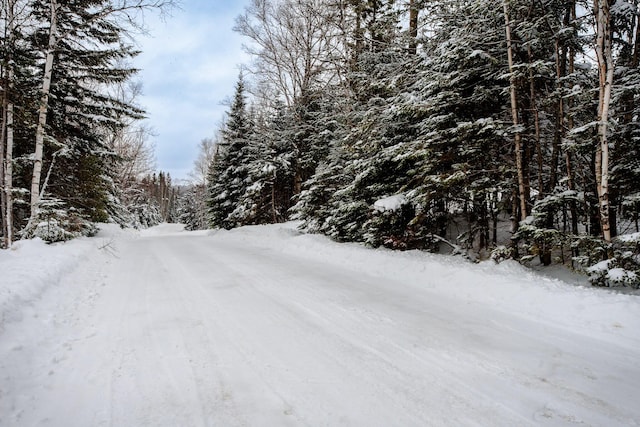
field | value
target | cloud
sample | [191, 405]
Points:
[189, 67]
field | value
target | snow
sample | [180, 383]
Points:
[391, 203]
[629, 238]
[265, 326]
[600, 266]
[268, 168]
[620, 275]
[624, 8]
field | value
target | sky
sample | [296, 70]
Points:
[189, 65]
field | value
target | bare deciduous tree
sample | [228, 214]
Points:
[206, 153]
[292, 42]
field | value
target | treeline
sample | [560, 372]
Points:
[506, 129]
[72, 150]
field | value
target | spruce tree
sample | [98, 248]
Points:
[270, 170]
[229, 169]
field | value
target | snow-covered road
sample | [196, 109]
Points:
[231, 329]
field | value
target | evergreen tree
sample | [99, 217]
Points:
[269, 157]
[374, 81]
[191, 207]
[625, 173]
[229, 170]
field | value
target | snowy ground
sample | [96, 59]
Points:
[262, 326]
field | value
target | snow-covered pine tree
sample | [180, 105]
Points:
[625, 136]
[313, 205]
[355, 162]
[453, 107]
[270, 173]
[191, 207]
[227, 180]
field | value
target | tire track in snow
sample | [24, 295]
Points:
[489, 352]
[166, 367]
[360, 337]
[348, 344]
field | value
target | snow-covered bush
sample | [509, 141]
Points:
[606, 273]
[538, 241]
[622, 268]
[501, 253]
[56, 223]
[345, 222]
[145, 215]
[538, 235]
[388, 223]
[588, 250]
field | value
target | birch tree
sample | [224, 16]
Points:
[6, 149]
[12, 15]
[604, 54]
[206, 153]
[8, 172]
[517, 138]
[43, 108]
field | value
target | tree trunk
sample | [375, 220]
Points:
[494, 219]
[6, 151]
[570, 18]
[273, 198]
[3, 132]
[536, 122]
[514, 114]
[605, 73]
[413, 27]
[42, 113]
[8, 177]
[359, 36]
[635, 58]
[558, 134]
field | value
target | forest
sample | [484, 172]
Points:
[503, 130]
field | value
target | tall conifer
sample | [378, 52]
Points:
[229, 169]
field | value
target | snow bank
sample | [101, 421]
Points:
[31, 267]
[508, 286]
